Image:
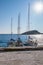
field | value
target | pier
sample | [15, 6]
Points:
[28, 48]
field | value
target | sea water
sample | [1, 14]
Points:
[5, 38]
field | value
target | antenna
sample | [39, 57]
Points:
[18, 24]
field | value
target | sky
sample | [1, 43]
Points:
[11, 8]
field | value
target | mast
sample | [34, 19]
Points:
[28, 23]
[18, 24]
[28, 17]
[11, 28]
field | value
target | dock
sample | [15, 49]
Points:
[24, 48]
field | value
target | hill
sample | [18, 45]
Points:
[31, 32]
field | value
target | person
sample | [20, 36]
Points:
[11, 43]
[35, 43]
[19, 42]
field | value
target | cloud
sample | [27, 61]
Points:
[38, 7]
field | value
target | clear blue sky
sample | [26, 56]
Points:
[11, 8]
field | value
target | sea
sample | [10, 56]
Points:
[5, 38]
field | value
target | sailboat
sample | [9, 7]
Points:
[11, 42]
[29, 41]
[19, 41]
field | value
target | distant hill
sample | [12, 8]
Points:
[31, 32]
